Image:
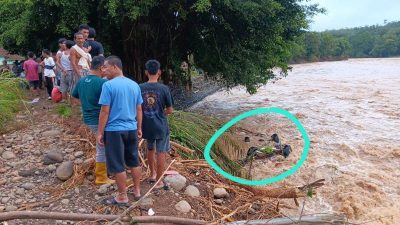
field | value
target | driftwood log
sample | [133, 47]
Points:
[317, 219]
[93, 217]
[284, 192]
[182, 148]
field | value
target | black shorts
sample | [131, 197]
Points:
[34, 84]
[121, 150]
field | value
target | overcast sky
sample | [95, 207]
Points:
[354, 13]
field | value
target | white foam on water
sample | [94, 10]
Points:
[352, 114]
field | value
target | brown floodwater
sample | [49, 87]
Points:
[351, 111]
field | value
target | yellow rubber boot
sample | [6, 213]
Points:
[101, 174]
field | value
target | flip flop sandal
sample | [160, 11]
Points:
[165, 187]
[137, 198]
[151, 180]
[112, 201]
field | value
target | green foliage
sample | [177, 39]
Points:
[267, 150]
[10, 97]
[314, 46]
[369, 41]
[35, 24]
[310, 192]
[236, 42]
[64, 110]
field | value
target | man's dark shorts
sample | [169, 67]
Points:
[121, 150]
[162, 145]
[34, 84]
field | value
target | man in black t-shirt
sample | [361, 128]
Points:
[96, 48]
[157, 104]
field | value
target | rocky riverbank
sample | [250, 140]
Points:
[47, 164]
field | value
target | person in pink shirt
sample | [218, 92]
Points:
[31, 68]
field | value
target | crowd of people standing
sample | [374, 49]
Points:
[118, 110]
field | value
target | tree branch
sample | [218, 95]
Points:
[93, 217]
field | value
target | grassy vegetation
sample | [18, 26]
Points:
[11, 95]
[194, 131]
[64, 110]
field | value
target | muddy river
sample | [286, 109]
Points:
[351, 111]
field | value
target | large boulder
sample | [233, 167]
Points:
[177, 182]
[65, 170]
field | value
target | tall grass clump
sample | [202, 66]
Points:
[11, 95]
[195, 130]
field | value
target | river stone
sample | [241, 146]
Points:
[16, 179]
[102, 190]
[11, 208]
[8, 155]
[78, 161]
[5, 200]
[82, 210]
[28, 186]
[51, 168]
[192, 191]
[79, 154]
[20, 191]
[183, 206]
[4, 181]
[219, 201]
[51, 133]
[65, 201]
[65, 170]
[26, 173]
[177, 182]
[147, 202]
[220, 193]
[52, 157]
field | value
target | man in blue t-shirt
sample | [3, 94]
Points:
[120, 127]
[157, 105]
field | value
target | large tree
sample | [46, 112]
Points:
[234, 41]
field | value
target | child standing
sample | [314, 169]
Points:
[49, 74]
[157, 104]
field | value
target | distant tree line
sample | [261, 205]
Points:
[369, 41]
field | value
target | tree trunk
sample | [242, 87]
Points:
[94, 217]
[318, 219]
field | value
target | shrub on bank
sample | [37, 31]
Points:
[11, 95]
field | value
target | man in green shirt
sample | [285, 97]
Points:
[88, 90]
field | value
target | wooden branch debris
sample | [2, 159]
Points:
[94, 217]
[182, 148]
[284, 192]
[231, 214]
[318, 219]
